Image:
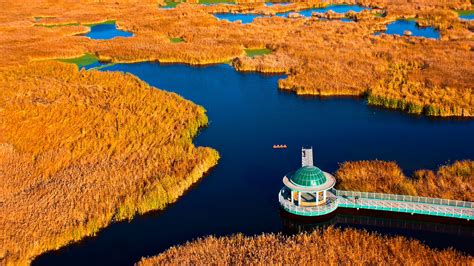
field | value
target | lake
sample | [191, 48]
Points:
[248, 115]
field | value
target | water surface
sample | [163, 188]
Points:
[247, 116]
[248, 18]
[277, 3]
[467, 17]
[400, 26]
[106, 31]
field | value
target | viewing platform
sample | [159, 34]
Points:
[309, 192]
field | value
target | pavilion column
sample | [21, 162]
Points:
[292, 196]
[299, 198]
[324, 195]
[317, 196]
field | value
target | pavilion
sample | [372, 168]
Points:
[307, 191]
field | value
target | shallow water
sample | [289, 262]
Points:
[247, 116]
[277, 3]
[400, 26]
[467, 17]
[248, 18]
[107, 31]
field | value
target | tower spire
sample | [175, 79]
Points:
[307, 157]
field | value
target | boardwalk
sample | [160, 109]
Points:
[383, 202]
[309, 191]
[404, 203]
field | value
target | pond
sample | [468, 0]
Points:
[248, 18]
[400, 26]
[277, 3]
[248, 115]
[106, 31]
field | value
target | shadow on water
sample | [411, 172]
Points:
[248, 115]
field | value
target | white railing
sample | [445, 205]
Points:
[329, 206]
[405, 198]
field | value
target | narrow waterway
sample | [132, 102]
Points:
[247, 116]
[249, 17]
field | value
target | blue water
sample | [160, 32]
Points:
[467, 17]
[399, 26]
[340, 9]
[282, 3]
[247, 115]
[89, 66]
[106, 32]
[248, 18]
[245, 18]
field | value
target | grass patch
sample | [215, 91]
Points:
[176, 40]
[74, 24]
[173, 4]
[257, 52]
[82, 61]
[107, 22]
[210, 2]
[57, 25]
[465, 12]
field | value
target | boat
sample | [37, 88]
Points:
[280, 146]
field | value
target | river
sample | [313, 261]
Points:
[247, 115]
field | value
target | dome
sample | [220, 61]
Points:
[308, 176]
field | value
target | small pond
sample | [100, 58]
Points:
[106, 31]
[277, 3]
[248, 115]
[400, 26]
[248, 18]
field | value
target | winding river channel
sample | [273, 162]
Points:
[247, 115]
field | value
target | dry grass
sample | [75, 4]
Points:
[321, 247]
[81, 149]
[321, 57]
[455, 181]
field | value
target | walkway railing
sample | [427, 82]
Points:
[382, 202]
[404, 203]
[330, 206]
[407, 198]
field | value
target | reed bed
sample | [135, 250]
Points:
[429, 77]
[454, 181]
[80, 149]
[322, 247]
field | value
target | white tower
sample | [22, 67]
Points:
[307, 157]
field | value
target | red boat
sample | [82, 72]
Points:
[280, 146]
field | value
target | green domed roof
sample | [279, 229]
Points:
[308, 176]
